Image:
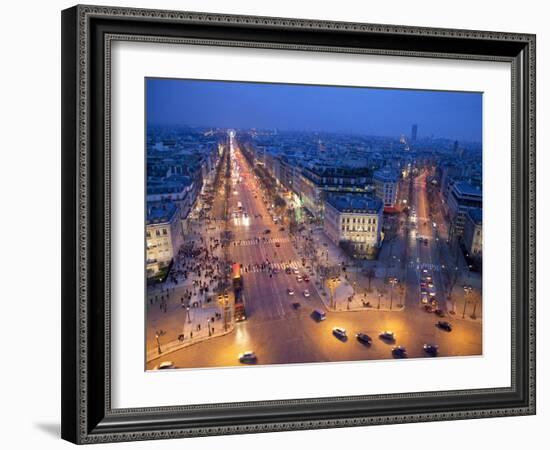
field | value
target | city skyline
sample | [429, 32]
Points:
[267, 247]
[355, 110]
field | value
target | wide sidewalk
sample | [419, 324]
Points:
[177, 322]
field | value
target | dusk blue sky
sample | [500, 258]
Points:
[380, 112]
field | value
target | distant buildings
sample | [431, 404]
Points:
[179, 163]
[463, 196]
[354, 220]
[163, 235]
[385, 185]
[414, 132]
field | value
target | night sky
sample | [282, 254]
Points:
[379, 112]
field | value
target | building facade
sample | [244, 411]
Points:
[473, 233]
[354, 220]
[163, 235]
[385, 186]
[463, 196]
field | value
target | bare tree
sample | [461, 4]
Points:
[370, 274]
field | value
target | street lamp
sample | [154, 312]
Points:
[393, 282]
[331, 287]
[158, 343]
[467, 292]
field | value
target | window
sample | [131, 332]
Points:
[157, 232]
[148, 234]
[164, 232]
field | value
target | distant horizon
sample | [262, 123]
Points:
[366, 111]
[297, 130]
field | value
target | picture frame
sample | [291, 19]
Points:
[87, 35]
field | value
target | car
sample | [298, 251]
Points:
[387, 335]
[288, 270]
[299, 278]
[399, 352]
[431, 349]
[282, 229]
[290, 291]
[306, 278]
[430, 284]
[275, 271]
[248, 357]
[340, 333]
[296, 305]
[267, 231]
[428, 308]
[277, 244]
[165, 365]
[318, 315]
[364, 338]
[296, 272]
[306, 293]
[444, 325]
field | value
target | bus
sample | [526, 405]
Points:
[240, 312]
[236, 277]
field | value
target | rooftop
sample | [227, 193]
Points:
[465, 188]
[170, 185]
[160, 212]
[476, 215]
[386, 175]
[355, 203]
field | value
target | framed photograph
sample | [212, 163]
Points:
[281, 224]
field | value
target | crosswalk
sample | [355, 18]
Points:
[248, 242]
[431, 267]
[280, 266]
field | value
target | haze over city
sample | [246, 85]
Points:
[370, 111]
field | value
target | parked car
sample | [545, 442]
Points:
[306, 278]
[318, 315]
[399, 352]
[340, 333]
[387, 335]
[290, 291]
[306, 293]
[299, 278]
[444, 325]
[364, 338]
[165, 365]
[277, 244]
[431, 349]
[248, 357]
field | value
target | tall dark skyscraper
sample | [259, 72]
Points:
[414, 132]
